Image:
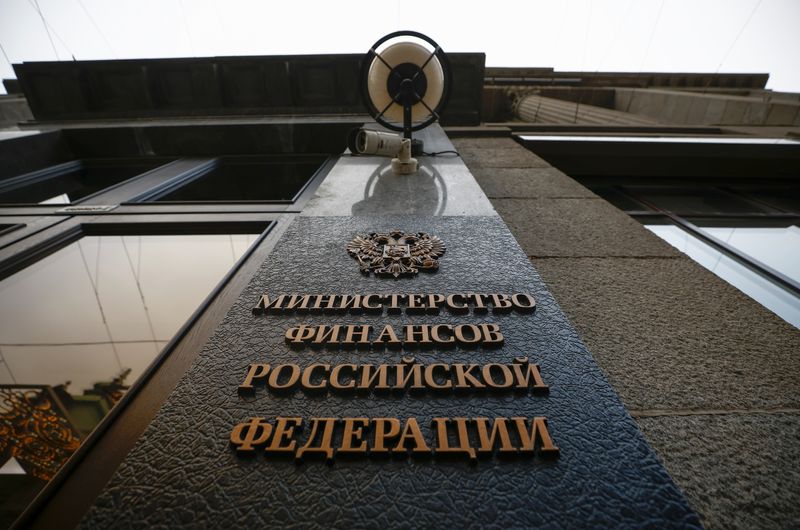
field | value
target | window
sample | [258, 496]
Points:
[78, 328]
[250, 179]
[746, 232]
[71, 182]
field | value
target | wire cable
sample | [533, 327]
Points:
[6, 56]
[44, 23]
[439, 153]
[730, 48]
[97, 27]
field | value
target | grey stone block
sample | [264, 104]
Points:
[734, 112]
[697, 110]
[782, 114]
[714, 112]
[577, 227]
[528, 183]
[738, 471]
[485, 143]
[519, 157]
[671, 335]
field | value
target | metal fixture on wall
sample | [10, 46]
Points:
[405, 84]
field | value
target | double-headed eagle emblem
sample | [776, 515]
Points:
[396, 252]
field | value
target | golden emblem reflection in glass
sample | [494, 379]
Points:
[77, 328]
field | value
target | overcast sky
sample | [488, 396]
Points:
[588, 35]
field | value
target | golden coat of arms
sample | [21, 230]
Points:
[396, 252]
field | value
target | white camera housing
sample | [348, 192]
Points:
[367, 142]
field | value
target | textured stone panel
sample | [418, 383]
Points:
[671, 335]
[529, 183]
[521, 157]
[183, 474]
[738, 471]
[577, 227]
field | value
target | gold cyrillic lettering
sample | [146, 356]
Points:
[264, 305]
[487, 441]
[430, 379]
[523, 302]
[356, 335]
[474, 331]
[411, 433]
[325, 439]
[501, 303]
[335, 381]
[377, 307]
[523, 377]
[247, 436]
[353, 303]
[488, 376]
[436, 336]
[464, 374]
[388, 336]
[275, 376]
[443, 441]
[353, 433]
[306, 383]
[284, 430]
[478, 299]
[417, 334]
[457, 304]
[255, 374]
[538, 431]
[327, 335]
[386, 429]
[368, 379]
[414, 373]
[415, 304]
[433, 303]
[297, 302]
[491, 335]
[296, 336]
[394, 302]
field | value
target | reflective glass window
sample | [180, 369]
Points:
[780, 301]
[778, 248]
[700, 200]
[74, 182]
[77, 328]
[258, 179]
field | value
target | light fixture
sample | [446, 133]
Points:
[406, 82]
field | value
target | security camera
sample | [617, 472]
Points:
[366, 142]
[369, 142]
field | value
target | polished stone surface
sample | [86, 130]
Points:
[366, 185]
[606, 475]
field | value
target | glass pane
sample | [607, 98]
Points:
[249, 180]
[75, 184]
[787, 198]
[620, 200]
[773, 297]
[778, 248]
[77, 328]
[694, 201]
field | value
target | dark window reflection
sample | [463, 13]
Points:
[249, 179]
[77, 180]
[78, 328]
[699, 200]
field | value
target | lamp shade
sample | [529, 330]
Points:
[396, 56]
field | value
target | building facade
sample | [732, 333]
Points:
[147, 207]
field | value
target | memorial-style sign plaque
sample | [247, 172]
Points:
[333, 398]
